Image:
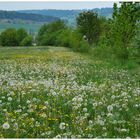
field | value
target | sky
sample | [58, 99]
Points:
[53, 5]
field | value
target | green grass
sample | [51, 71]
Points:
[53, 92]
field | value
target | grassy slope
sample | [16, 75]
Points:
[110, 95]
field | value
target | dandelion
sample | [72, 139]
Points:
[46, 103]
[58, 136]
[110, 108]
[10, 99]
[34, 99]
[6, 125]
[84, 109]
[124, 93]
[80, 99]
[90, 122]
[28, 102]
[62, 125]
[113, 97]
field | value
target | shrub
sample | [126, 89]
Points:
[27, 41]
[63, 39]
[48, 33]
[77, 43]
[8, 37]
[13, 37]
[21, 35]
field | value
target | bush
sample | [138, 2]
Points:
[77, 43]
[63, 39]
[48, 33]
[27, 41]
[8, 37]
[21, 35]
[13, 37]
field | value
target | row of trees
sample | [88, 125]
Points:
[116, 34]
[13, 37]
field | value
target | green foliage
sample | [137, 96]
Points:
[48, 33]
[77, 42]
[13, 37]
[27, 41]
[124, 27]
[89, 25]
[21, 34]
[64, 37]
[8, 37]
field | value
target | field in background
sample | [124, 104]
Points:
[53, 92]
[30, 26]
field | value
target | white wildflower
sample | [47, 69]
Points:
[6, 125]
[10, 99]
[110, 108]
[62, 125]
[84, 109]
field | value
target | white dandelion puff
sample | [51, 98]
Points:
[6, 125]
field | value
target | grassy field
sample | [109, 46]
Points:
[53, 92]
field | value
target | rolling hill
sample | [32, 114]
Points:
[29, 21]
[69, 15]
[26, 16]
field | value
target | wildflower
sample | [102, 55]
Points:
[109, 114]
[84, 109]
[28, 102]
[90, 122]
[94, 104]
[46, 103]
[124, 93]
[110, 108]
[34, 99]
[80, 99]
[18, 110]
[62, 125]
[6, 125]
[113, 97]
[58, 136]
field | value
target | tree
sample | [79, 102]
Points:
[124, 24]
[13, 37]
[8, 37]
[27, 41]
[21, 34]
[64, 37]
[89, 25]
[48, 33]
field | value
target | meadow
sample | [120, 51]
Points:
[53, 92]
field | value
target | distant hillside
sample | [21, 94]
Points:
[29, 26]
[26, 16]
[69, 15]
[56, 13]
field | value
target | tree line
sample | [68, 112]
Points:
[118, 35]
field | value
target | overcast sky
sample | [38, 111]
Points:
[53, 5]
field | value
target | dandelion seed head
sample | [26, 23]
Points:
[6, 125]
